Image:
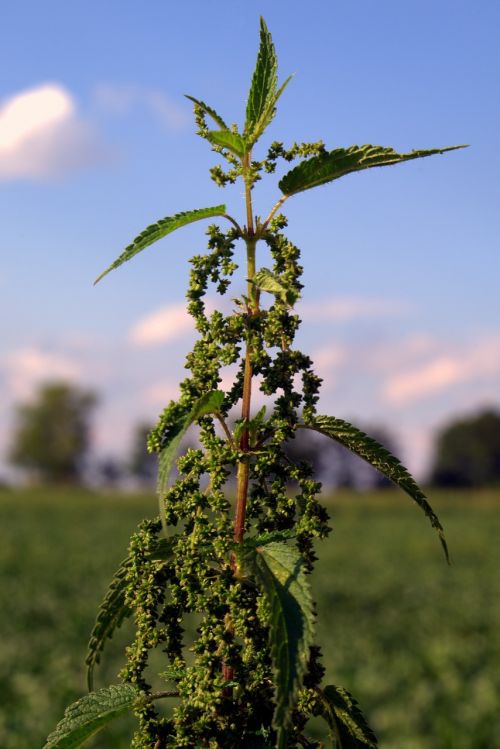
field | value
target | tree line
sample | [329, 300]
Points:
[51, 443]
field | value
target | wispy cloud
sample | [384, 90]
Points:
[26, 368]
[473, 362]
[349, 308]
[121, 99]
[42, 135]
[424, 381]
[326, 362]
[162, 326]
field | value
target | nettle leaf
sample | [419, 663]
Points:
[89, 714]
[159, 230]
[264, 80]
[348, 725]
[112, 613]
[279, 572]
[332, 165]
[266, 280]
[268, 114]
[208, 403]
[227, 139]
[263, 539]
[380, 458]
[114, 610]
[208, 110]
[263, 94]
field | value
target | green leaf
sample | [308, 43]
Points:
[208, 110]
[326, 167]
[263, 539]
[264, 80]
[279, 571]
[380, 458]
[88, 715]
[349, 729]
[208, 403]
[114, 610]
[227, 139]
[266, 280]
[156, 231]
[267, 115]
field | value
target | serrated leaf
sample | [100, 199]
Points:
[208, 403]
[380, 458]
[263, 539]
[263, 95]
[113, 610]
[279, 571]
[227, 139]
[157, 231]
[267, 115]
[266, 280]
[349, 728]
[332, 165]
[264, 80]
[89, 714]
[112, 613]
[208, 110]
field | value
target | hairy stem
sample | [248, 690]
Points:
[247, 160]
[274, 210]
[243, 467]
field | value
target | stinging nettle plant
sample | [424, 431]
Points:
[253, 677]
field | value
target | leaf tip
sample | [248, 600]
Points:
[445, 547]
[455, 148]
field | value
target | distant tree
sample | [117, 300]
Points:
[143, 465]
[51, 435]
[467, 451]
[109, 471]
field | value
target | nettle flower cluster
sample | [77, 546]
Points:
[218, 584]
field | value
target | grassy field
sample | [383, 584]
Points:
[416, 641]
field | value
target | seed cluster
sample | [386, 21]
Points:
[205, 620]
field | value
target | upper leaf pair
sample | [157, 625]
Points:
[261, 105]
[264, 91]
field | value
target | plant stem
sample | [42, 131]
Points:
[274, 210]
[243, 467]
[161, 695]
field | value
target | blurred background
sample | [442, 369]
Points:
[400, 316]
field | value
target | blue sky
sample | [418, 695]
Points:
[401, 307]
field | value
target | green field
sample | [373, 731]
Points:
[416, 641]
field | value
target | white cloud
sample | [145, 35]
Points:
[473, 362]
[121, 99]
[348, 308]
[326, 361]
[42, 135]
[389, 356]
[426, 380]
[163, 326]
[28, 367]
